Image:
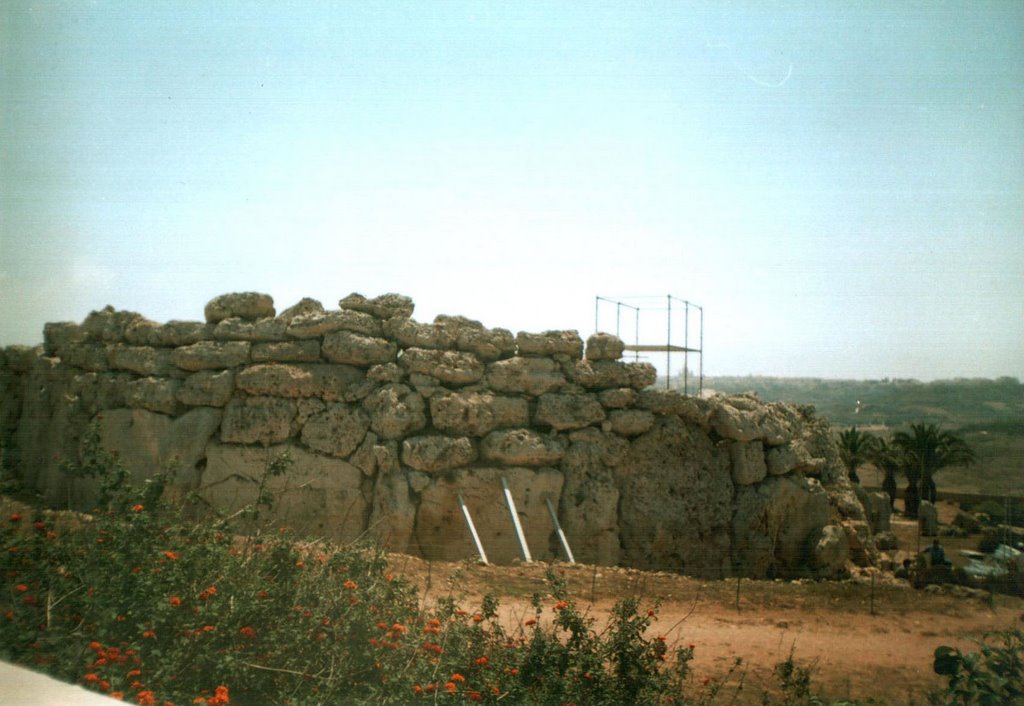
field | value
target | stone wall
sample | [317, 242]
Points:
[387, 420]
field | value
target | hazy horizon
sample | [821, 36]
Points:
[841, 187]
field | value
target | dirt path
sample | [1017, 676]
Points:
[828, 625]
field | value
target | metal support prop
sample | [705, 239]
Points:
[561, 534]
[472, 530]
[515, 521]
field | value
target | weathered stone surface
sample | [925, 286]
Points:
[140, 359]
[236, 329]
[211, 355]
[328, 382]
[441, 531]
[531, 376]
[747, 462]
[316, 496]
[364, 457]
[604, 346]
[450, 367]
[395, 411]
[393, 512]
[831, 549]
[99, 391]
[618, 398]
[487, 344]
[386, 306]
[549, 343]
[59, 335]
[780, 460]
[257, 420]
[92, 358]
[437, 453]
[108, 325]
[337, 431]
[183, 333]
[425, 385]
[355, 349]
[562, 412]
[243, 305]
[877, 510]
[631, 422]
[304, 306]
[774, 522]
[20, 359]
[741, 419]
[303, 351]
[522, 447]
[590, 498]
[675, 504]
[315, 325]
[387, 372]
[412, 334]
[605, 374]
[477, 413]
[207, 388]
[143, 333]
[154, 394]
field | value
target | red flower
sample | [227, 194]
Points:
[531, 621]
[39, 525]
[138, 508]
[475, 696]
[560, 605]
[15, 518]
[481, 661]
[21, 588]
[458, 677]
[175, 601]
[173, 556]
[450, 687]
[351, 585]
[148, 633]
[211, 591]
[95, 645]
[145, 698]
[91, 677]
[248, 632]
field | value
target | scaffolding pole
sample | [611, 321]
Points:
[472, 530]
[515, 521]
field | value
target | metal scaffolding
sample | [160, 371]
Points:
[683, 309]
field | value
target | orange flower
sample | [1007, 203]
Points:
[481, 661]
[148, 633]
[220, 697]
[175, 601]
[248, 632]
[351, 585]
[15, 518]
[560, 605]
[478, 618]
[138, 507]
[300, 563]
[104, 685]
[145, 698]
[450, 687]
[211, 591]
[434, 622]
[263, 594]
[134, 673]
[91, 677]
[21, 587]
[475, 696]
[119, 695]
[95, 645]
[173, 556]
[458, 677]
[208, 628]
[531, 621]
[417, 689]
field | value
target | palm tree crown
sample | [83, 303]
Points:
[855, 449]
[927, 449]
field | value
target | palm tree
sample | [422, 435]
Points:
[889, 459]
[926, 450]
[855, 450]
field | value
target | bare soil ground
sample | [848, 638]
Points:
[853, 651]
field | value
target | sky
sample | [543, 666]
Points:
[838, 186]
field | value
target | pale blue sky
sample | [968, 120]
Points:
[840, 185]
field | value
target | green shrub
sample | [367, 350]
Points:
[992, 676]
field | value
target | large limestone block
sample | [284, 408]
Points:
[59, 335]
[21, 359]
[183, 333]
[236, 329]
[140, 359]
[315, 325]
[355, 349]
[108, 325]
[98, 391]
[488, 344]
[209, 388]
[336, 431]
[928, 519]
[412, 334]
[257, 420]
[742, 418]
[450, 367]
[561, 412]
[830, 551]
[522, 447]
[604, 346]
[211, 355]
[605, 374]
[154, 394]
[441, 531]
[675, 503]
[328, 382]
[549, 343]
[747, 463]
[147, 442]
[243, 305]
[393, 512]
[395, 411]
[589, 508]
[618, 398]
[775, 525]
[316, 496]
[631, 422]
[477, 413]
[530, 376]
[385, 373]
[437, 453]
[94, 359]
[385, 306]
[302, 351]
[306, 305]
[877, 509]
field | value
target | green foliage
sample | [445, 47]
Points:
[992, 676]
[855, 449]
